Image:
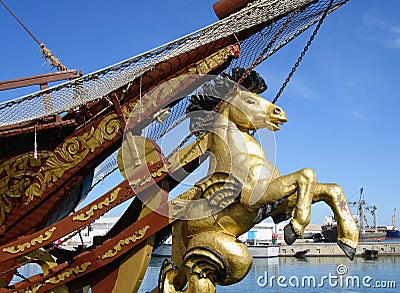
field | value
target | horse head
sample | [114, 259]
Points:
[250, 111]
[242, 105]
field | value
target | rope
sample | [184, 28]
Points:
[53, 60]
[45, 51]
[20, 22]
[18, 274]
[303, 53]
[35, 145]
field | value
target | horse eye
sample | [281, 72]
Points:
[250, 101]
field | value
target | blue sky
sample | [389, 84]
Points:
[342, 103]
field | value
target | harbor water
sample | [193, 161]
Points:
[309, 274]
[291, 274]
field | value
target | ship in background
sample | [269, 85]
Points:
[367, 232]
[393, 233]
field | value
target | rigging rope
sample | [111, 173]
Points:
[18, 274]
[53, 60]
[20, 22]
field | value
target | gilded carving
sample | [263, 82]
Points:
[204, 66]
[158, 173]
[72, 271]
[140, 181]
[136, 236]
[33, 242]
[72, 152]
[213, 61]
[242, 188]
[105, 203]
[16, 175]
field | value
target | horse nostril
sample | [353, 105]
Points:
[277, 111]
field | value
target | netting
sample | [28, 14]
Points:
[99, 84]
[250, 50]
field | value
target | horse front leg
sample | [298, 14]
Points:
[296, 188]
[333, 196]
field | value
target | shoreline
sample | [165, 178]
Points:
[332, 249]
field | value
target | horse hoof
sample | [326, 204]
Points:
[349, 251]
[281, 217]
[289, 234]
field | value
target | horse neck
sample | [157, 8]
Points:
[236, 152]
[226, 129]
[228, 143]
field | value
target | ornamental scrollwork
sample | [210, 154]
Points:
[105, 203]
[16, 175]
[33, 242]
[72, 271]
[72, 152]
[136, 236]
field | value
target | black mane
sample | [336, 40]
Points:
[212, 93]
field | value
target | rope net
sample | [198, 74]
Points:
[100, 84]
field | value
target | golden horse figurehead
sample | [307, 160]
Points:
[242, 188]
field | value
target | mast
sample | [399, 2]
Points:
[361, 210]
[394, 220]
[362, 207]
[374, 213]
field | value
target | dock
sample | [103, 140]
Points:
[332, 249]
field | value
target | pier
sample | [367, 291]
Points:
[332, 249]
